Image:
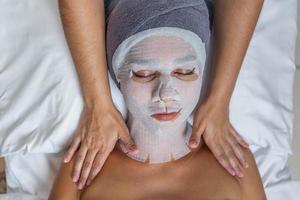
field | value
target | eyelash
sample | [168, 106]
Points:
[189, 73]
[139, 76]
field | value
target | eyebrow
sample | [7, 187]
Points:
[185, 59]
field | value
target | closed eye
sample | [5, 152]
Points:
[185, 74]
[143, 76]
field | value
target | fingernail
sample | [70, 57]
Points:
[123, 146]
[232, 172]
[240, 174]
[193, 143]
[132, 148]
[246, 165]
[74, 178]
[135, 151]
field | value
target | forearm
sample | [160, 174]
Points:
[84, 26]
[234, 24]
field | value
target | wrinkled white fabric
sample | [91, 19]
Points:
[160, 71]
[30, 176]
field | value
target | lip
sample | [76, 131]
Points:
[166, 116]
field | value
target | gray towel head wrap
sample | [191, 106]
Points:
[130, 17]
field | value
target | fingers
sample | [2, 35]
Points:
[87, 165]
[237, 136]
[227, 157]
[77, 140]
[196, 136]
[128, 141]
[222, 159]
[97, 166]
[80, 157]
[72, 149]
[238, 151]
[232, 159]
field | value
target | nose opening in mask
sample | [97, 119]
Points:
[165, 91]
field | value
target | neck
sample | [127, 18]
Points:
[158, 144]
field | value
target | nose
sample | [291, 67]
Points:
[165, 90]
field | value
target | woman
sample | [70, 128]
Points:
[159, 62]
[102, 125]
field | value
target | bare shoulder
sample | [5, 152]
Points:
[251, 183]
[215, 176]
[247, 188]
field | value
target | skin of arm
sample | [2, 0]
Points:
[234, 24]
[235, 21]
[101, 125]
[84, 27]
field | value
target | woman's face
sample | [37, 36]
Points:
[161, 81]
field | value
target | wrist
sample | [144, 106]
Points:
[100, 102]
[218, 101]
[219, 93]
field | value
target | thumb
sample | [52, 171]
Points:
[128, 141]
[195, 138]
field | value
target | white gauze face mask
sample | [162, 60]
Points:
[160, 78]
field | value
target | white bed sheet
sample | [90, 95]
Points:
[17, 196]
[40, 97]
[40, 100]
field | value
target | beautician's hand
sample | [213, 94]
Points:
[98, 131]
[211, 120]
